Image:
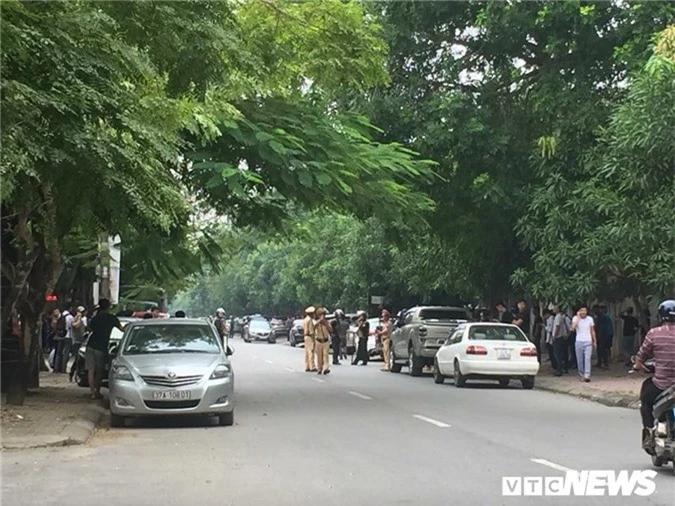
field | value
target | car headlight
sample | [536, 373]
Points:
[220, 371]
[122, 372]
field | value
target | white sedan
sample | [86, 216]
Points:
[493, 351]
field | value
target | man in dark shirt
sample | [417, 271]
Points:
[522, 318]
[505, 316]
[630, 327]
[96, 356]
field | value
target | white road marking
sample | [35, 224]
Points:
[431, 421]
[289, 369]
[269, 361]
[318, 380]
[360, 396]
[552, 465]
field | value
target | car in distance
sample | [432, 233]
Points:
[259, 330]
[420, 333]
[279, 327]
[492, 351]
[296, 334]
[171, 367]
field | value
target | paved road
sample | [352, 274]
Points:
[358, 436]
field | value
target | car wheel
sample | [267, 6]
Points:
[272, 341]
[116, 420]
[394, 367]
[226, 419]
[291, 341]
[528, 382]
[504, 382]
[438, 377]
[460, 380]
[415, 365]
[657, 461]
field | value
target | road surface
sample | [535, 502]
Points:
[358, 436]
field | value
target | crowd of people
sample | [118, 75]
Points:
[573, 341]
[320, 334]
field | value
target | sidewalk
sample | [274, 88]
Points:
[58, 413]
[613, 387]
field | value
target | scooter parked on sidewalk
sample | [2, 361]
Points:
[662, 446]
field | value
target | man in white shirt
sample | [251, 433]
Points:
[586, 340]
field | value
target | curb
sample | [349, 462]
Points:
[76, 433]
[611, 399]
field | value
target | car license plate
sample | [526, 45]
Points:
[503, 354]
[171, 395]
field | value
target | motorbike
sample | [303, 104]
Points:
[662, 447]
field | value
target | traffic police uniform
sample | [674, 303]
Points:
[308, 331]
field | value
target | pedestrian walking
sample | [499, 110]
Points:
[230, 329]
[79, 328]
[560, 335]
[64, 340]
[96, 355]
[586, 339]
[362, 335]
[321, 337]
[219, 323]
[339, 336]
[308, 332]
[547, 338]
[386, 328]
[48, 330]
[605, 332]
[630, 328]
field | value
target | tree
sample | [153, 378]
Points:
[609, 231]
[109, 131]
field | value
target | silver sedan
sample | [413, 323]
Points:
[171, 367]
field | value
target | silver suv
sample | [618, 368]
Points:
[420, 333]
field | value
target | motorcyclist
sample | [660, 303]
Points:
[659, 344]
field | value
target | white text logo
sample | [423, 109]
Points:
[582, 483]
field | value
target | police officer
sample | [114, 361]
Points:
[385, 330]
[308, 331]
[362, 333]
[321, 337]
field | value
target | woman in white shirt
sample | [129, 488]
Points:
[584, 327]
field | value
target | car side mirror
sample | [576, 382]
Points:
[229, 351]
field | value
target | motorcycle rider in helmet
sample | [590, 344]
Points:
[659, 344]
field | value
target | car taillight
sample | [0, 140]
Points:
[528, 352]
[476, 350]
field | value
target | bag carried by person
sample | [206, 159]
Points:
[61, 330]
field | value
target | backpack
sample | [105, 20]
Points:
[61, 330]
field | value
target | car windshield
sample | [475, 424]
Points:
[259, 326]
[496, 333]
[150, 339]
[432, 315]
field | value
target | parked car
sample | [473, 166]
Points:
[496, 351]
[171, 367]
[279, 327]
[295, 335]
[259, 330]
[419, 335]
[81, 373]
